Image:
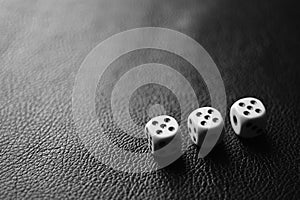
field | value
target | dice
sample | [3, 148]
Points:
[248, 117]
[205, 127]
[163, 136]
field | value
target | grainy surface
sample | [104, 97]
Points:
[255, 44]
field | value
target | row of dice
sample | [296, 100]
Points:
[205, 127]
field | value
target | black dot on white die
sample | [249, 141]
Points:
[203, 123]
[241, 104]
[194, 138]
[235, 120]
[198, 114]
[190, 130]
[159, 132]
[206, 117]
[171, 128]
[258, 110]
[195, 130]
[163, 125]
[190, 121]
[155, 123]
[253, 102]
[215, 119]
[246, 113]
[210, 111]
[167, 120]
[249, 107]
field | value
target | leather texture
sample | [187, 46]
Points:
[255, 45]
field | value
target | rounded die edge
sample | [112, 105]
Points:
[236, 126]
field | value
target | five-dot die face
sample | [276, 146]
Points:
[248, 117]
[205, 126]
[162, 134]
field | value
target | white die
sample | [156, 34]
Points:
[205, 126]
[248, 117]
[163, 137]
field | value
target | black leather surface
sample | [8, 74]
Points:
[255, 44]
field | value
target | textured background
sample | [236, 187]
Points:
[254, 43]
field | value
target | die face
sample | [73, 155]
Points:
[196, 133]
[248, 117]
[160, 131]
[250, 108]
[236, 120]
[206, 117]
[205, 120]
[162, 126]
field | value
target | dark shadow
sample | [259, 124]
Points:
[177, 167]
[259, 144]
[218, 155]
